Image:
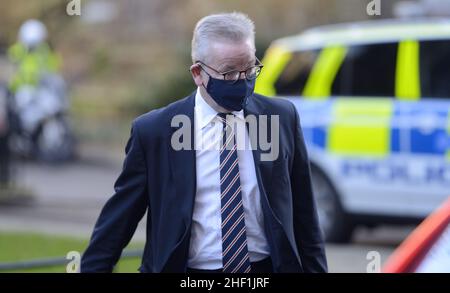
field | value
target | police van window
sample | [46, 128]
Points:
[294, 76]
[367, 70]
[435, 69]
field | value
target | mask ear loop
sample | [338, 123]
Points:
[201, 68]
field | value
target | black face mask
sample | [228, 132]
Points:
[231, 96]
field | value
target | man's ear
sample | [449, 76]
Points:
[196, 74]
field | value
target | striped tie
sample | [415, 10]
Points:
[235, 256]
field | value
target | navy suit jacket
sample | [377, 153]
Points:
[158, 179]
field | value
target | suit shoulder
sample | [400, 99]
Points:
[276, 105]
[154, 120]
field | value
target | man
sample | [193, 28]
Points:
[32, 55]
[222, 209]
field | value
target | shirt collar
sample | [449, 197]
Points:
[205, 113]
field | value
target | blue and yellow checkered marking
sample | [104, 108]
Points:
[369, 127]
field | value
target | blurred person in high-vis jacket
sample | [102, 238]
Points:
[32, 55]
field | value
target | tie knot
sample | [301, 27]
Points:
[227, 124]
[223, 116]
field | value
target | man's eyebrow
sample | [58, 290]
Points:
[227, 67]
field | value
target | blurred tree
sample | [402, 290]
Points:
[14, 12]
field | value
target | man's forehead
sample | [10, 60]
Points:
[229, 56]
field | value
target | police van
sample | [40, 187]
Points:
[373, 99]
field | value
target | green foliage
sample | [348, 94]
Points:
[155, 94]
[101, 61]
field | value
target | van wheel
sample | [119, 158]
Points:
[337, 227]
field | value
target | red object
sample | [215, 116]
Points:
[411, 252]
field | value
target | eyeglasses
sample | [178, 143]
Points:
[233, 76]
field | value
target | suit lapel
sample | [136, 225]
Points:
[264, 177]
[183, 165]
[263, 168]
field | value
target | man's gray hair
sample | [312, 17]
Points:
[236, 27]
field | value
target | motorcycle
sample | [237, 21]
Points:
[40, 124]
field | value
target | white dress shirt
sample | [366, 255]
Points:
[205, 250]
